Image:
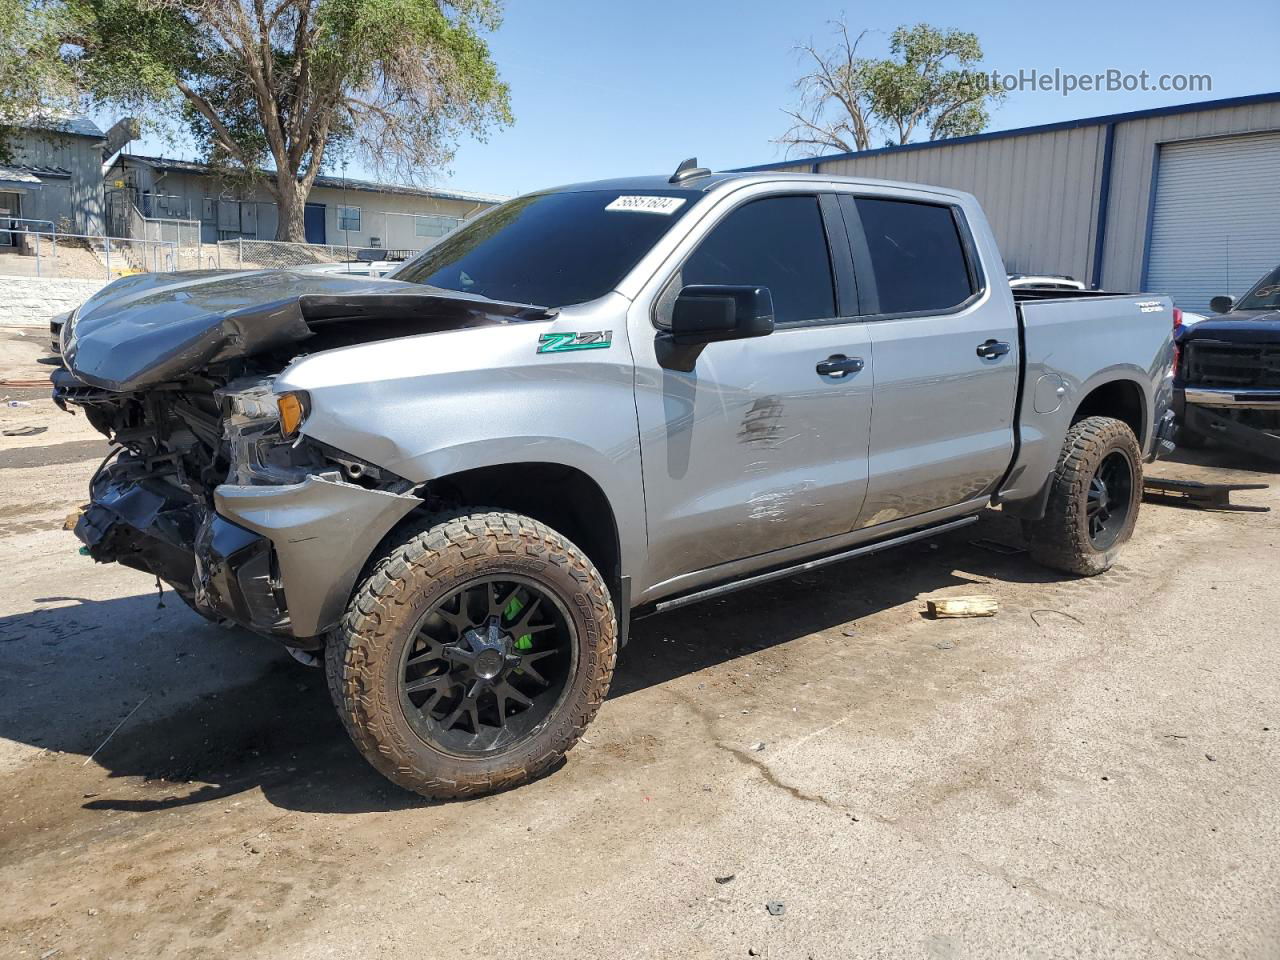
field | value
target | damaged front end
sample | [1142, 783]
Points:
[247, 525]
[247, 519]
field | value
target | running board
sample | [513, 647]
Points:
[791, 571]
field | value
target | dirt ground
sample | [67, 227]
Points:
[1091, 773]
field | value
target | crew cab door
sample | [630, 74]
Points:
[946, 352]
[747, 447]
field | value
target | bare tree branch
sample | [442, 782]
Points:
[845, 98]
[834, 103]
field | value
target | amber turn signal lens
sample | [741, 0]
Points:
[292, 412]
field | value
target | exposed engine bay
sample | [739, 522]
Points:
[208, 487]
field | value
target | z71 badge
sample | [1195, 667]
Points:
[563, 342]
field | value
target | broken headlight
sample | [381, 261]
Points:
[292, 407]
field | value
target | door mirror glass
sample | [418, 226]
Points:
[1221, 304]
[706, 313]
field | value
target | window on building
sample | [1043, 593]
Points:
[348, 218]
[917, 255]
[434, 226]
[779, 243]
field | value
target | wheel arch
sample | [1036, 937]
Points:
[1122, 398]
[565, 498]
[1117, 392]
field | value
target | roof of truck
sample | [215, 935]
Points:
[711, 181]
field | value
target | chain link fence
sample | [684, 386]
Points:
[247, 254]
[184, 235]
[34, 252]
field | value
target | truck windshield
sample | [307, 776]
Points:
[551, 249]
[1265, 295]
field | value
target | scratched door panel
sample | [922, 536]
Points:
[753, 450]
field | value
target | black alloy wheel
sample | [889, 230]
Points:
[1110, 496]
[489, 663]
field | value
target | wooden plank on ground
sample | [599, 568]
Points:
[962, 607]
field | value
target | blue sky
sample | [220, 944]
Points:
[607, 88]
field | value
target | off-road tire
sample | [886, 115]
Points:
[1060, 539]
[363, 656]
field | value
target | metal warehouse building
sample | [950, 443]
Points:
[1180, 200]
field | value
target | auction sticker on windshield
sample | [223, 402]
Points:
[663, 205]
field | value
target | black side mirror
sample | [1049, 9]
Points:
[707, 313]
[1222, 304]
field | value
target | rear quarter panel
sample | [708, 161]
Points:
[1075, 346]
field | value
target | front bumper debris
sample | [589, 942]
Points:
[1193, 493]
[280, 560]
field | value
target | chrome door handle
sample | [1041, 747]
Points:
[992, 349]
[838, 365]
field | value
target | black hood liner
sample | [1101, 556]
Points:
[150, 328]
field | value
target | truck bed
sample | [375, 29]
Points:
[1063, 333]
[1028, 294]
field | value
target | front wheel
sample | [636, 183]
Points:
[474, 655]
[1093, 501]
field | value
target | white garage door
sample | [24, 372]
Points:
[1216, 226]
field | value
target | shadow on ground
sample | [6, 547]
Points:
[279, 732]
[1218, 456]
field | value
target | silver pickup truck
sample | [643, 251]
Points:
[458, 484]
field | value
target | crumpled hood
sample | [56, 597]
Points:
[148, 328]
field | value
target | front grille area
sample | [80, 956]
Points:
[1232, 365]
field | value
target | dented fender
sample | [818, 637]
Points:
[323, 531]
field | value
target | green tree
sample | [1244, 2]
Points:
[930, 83]
[283, 83]
[35, 86]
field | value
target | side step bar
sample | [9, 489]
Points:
[759, 578]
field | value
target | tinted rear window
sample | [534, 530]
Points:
[777, 242]
[550, 249]
[917, 255]
[1264, 296]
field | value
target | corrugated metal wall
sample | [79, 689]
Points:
[1132, 166]
[1041, 190]
[1037, 190]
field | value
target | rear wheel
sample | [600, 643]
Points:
[474, 655]
[1094, 499]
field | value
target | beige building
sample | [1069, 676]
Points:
[340, 211]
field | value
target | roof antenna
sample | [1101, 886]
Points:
[688, 170]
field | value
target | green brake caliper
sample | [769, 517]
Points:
[513, 611]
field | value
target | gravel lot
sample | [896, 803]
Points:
[1091, 773]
